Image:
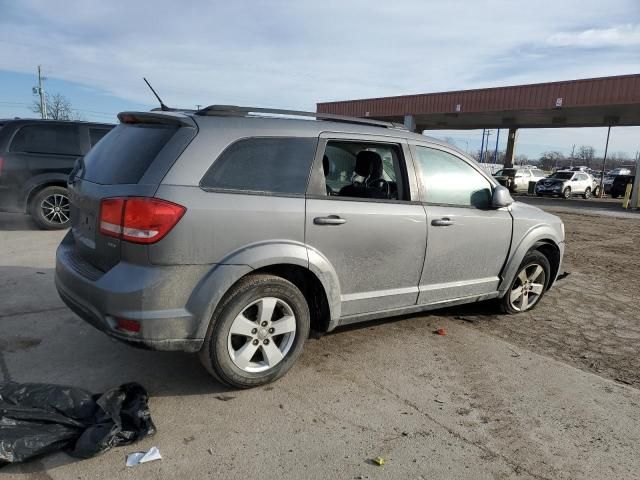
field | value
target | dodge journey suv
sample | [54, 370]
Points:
[232, 232]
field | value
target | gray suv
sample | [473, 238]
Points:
[232, 232]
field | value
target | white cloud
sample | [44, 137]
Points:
[293, 54]
[618, 36]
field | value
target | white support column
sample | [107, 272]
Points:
[410, 123]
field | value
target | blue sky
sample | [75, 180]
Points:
[294, 54]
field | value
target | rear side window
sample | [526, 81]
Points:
[95, 134]
[125, 154]
[273, 165]
[50, 139]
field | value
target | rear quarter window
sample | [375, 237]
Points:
[272, 165]
[125, 153]
[47, 138]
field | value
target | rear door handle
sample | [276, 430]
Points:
[330, 220]
[442, 222]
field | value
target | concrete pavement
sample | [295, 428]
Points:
[464, 405]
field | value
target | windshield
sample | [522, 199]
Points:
[562, 175]
[505, 172]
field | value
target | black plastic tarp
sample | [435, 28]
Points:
[38, 418]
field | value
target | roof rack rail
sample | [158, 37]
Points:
[233, 110]
[169, 109]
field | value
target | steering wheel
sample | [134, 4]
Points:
[382, 185]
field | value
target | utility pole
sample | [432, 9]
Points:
[495, 154]
[43, 99]
[486, 153]
[198, 106]
[604, 162]
[482, 146]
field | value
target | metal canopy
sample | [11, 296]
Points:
[594, 102]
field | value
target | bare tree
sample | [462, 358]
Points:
[551, 160]
[585, 155]
[58, 107]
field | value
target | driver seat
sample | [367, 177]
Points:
[368, 168]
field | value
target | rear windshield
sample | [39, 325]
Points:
[125, 153]
[505, 172]
[562, 175]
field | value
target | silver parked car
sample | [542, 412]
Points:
[567, 183]
[232, 233]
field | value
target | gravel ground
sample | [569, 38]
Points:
[591, 319]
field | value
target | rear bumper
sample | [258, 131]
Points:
[155, 296]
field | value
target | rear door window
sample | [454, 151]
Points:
[47, 138]
[269, 164]
[125, 154]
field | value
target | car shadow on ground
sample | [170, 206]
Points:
[16, 222]
[487, 309]
[43, 341]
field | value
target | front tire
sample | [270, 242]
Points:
[257, 332]
[566, 193]
[49, 208]
[529, 284]
[587, 193]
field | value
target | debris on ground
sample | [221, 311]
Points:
[224, 398]
[137, 458]
[378, 461]
[514, 353]
[38, 418]
[562, 276]
[440, 331]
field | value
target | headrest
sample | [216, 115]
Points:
[368, 165]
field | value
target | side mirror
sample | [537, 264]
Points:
[501, 197]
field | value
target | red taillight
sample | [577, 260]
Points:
[1, 164]
[138, 219]
[128, 325]
[111, 216]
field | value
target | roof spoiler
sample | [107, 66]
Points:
[165, 118]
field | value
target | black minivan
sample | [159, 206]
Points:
[36, 157]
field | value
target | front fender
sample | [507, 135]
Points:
[535, 234]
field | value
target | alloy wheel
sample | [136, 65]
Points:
[261, 335]
[55, 208]
[528, 287]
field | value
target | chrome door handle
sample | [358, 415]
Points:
[442, 222]
[330, 220]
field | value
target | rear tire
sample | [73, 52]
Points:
[529, 284]
[243, 347]
[596, 191]
[49, 208]
[566, 193]
[587, 193]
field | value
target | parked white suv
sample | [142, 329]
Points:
[566, 184]
[517, 179]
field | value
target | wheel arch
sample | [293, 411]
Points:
[302, 266]
[541, 238]
[39, 182]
